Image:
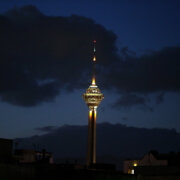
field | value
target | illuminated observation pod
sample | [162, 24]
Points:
[93, 97]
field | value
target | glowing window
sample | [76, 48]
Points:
[135, 164]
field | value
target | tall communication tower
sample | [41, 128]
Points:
[93, 98]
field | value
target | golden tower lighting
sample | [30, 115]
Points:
[93, 98]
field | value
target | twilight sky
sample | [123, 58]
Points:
[45, 63]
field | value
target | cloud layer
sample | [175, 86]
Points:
[137, 77]
[46, 129]
[41, 55]
[116, 140]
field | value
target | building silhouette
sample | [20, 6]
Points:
[155, 164]
[6, 149]
[33, 156]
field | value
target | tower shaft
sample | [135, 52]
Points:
[91, 153]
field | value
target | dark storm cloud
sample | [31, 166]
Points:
[160, 98]
[47, 129]
[124, 118]
[40, 55]
[112, 139]
[126, 52]
[130, 100]
[158, 72]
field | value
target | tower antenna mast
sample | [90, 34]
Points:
[94, 63]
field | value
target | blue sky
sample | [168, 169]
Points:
[143, 27]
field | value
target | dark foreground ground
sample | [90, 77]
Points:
[58, 172]
[69, 172]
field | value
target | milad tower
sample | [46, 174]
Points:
[93, 98]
